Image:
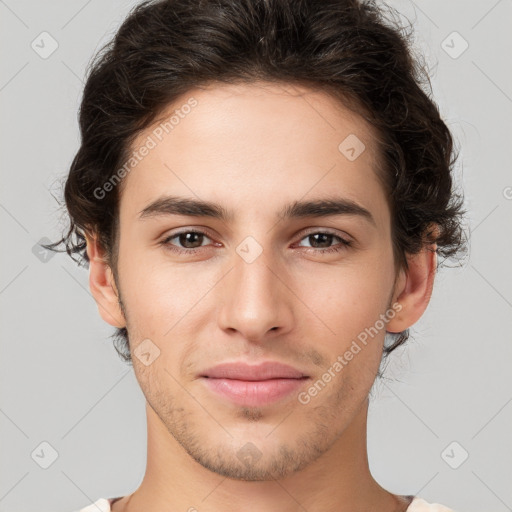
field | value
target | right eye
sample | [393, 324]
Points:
[186, 239]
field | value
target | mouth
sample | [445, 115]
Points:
[255, 393]
[254, 386]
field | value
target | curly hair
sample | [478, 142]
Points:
[348, 48]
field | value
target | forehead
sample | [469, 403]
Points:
[264, 109]
[238, 142]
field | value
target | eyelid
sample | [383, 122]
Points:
[179, 231]
[308, 231]
[328, 231]
[345, 240]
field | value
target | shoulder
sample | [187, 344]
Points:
[417, 505]
[420, 505]
[100, 505]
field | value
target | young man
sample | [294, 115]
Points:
[261, 194]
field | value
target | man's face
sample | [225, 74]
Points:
[255, 286]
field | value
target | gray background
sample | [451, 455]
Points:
[62, 382]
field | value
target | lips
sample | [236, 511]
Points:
[255, 386]
[263, 371]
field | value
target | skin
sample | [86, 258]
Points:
[253, 149]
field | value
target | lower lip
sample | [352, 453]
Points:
[254, 393]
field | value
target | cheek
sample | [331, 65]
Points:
[349, 299]
[163, 298]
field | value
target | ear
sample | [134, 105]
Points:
[102, 284]
[413, 288]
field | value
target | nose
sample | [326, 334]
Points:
[256, 300]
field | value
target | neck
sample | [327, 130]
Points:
[338, 480]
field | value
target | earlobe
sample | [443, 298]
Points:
[413, 288]
[102, 284]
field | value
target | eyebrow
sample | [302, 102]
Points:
[174, 205]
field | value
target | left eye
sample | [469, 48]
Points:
[323, 239]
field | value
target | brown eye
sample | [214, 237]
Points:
[186, 241]
[320, 240]
[190, 240]
[323, 241]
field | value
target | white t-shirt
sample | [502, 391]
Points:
[417, 505]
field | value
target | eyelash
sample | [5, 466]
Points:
[344, 244]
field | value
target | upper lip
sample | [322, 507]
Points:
[243, 371]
